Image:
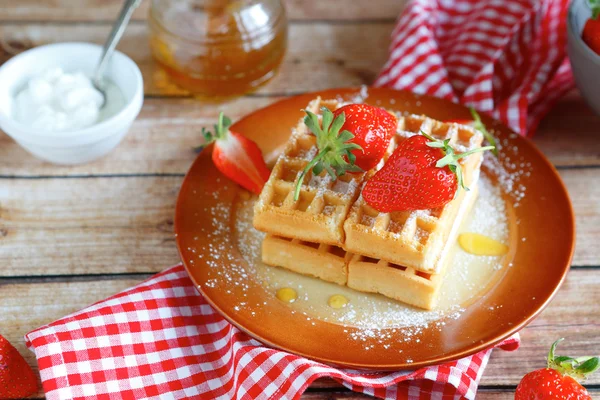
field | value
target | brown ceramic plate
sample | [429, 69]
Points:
[540, 263]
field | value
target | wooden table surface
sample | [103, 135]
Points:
[70, 236]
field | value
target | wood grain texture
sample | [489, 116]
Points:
[77, 226]
[124, 224]
[28, 305]
[320, 56]
[106, 10]
[162, 138]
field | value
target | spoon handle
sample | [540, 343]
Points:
[115, 35]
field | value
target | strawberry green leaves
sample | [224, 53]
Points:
[335, 148]
[478, 124]
[577, 368]
[450, 158]
[595, 7]
[221, 129]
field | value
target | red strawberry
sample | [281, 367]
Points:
[365, 134]
[422, 173]
[557, 382]
[17, 380]
[591, 34]
[372, 127]
[237, 157]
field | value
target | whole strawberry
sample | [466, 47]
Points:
[17, 380]
[372, 127]
[558, 381]
[351, 139]
[422, 173]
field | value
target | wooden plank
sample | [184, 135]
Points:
[94, 10]
[124, 224]
[320, 56]
[161, 139]
[26, 306]
[587, 213]
[78, 226]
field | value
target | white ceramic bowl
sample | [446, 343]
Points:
[83, 145]
[584, 62]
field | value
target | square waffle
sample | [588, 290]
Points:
[403, 283]
[365, 274]
[324, 261]
[319, 213]
[414, 239]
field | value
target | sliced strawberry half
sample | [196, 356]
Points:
[237, 157]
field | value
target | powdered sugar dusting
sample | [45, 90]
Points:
[374, 316]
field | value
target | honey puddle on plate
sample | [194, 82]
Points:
[467, 278]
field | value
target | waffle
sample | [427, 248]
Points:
[332, 212]
[413, 239]
[323, 261]
[318, 215]
[403, 283]
[333, 264]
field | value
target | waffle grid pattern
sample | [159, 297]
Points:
[323, 203]
[333, 212]
[367, 230]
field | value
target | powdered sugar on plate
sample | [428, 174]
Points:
[376, 316]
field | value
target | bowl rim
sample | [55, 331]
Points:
[129, 111]
[575, 36]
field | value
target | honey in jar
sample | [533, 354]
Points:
[218, 48]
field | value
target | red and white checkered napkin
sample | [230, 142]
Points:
[503, 57]
[161, 339]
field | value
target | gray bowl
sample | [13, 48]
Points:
[584, 62]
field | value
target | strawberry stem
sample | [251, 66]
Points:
[335, 147]
[450, 159]
[221, 129]
[595, 7]
[578, 368]
[481, 127]
[308, 167]
[454, 157]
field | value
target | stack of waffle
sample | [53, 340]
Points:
[332, 234]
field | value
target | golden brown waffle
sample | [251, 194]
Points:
[403, 283]
[413, 238]
[319, 213]
[323, 261]
[329, 212]
[333, 264]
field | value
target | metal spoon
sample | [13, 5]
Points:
[111, 42]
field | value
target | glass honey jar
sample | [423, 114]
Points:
[217, 49]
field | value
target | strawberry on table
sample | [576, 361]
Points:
[351, 139]
[17, 380]
[422, 173]
[559, 380]
[591, 30]
[237, 157]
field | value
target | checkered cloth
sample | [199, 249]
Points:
[503, 57]
[161, 339]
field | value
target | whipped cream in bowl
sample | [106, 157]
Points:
[57, 101]
[49, 105]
